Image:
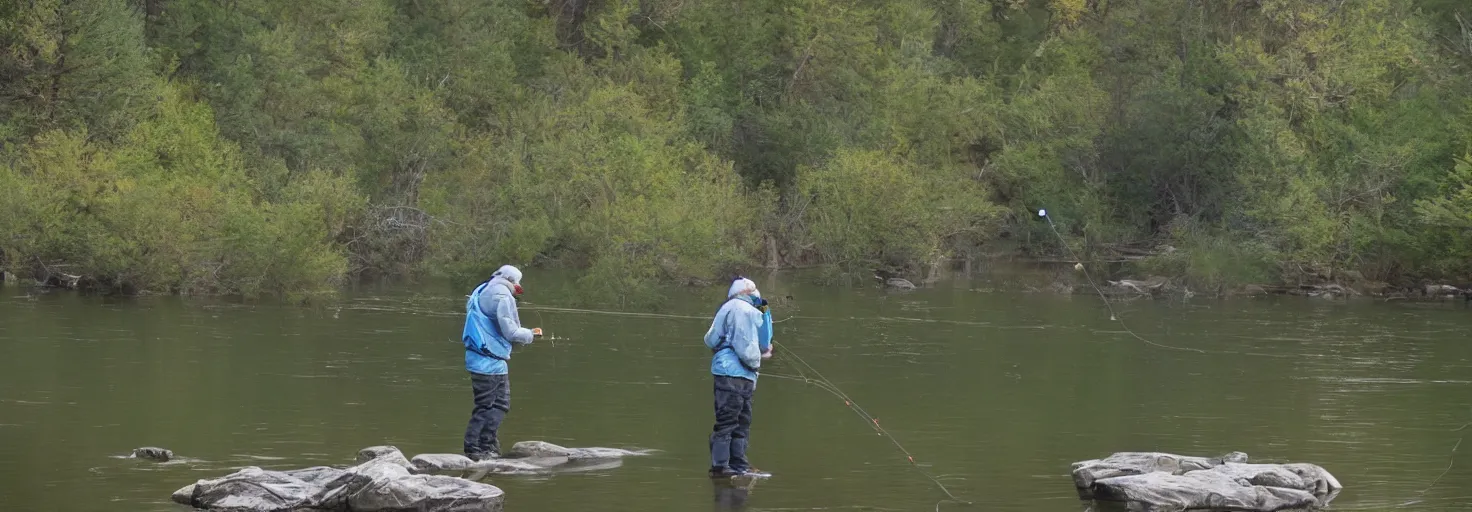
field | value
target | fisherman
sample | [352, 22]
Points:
[491, 326]
[739, 338]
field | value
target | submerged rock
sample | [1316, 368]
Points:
[153, 454]
[1168, 482]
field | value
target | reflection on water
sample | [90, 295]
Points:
[731, 494]
[994, 394]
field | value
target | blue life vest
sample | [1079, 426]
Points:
[764, 333]
[482, 334]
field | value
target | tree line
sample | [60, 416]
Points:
[284, 147]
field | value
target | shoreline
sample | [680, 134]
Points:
[996, 273]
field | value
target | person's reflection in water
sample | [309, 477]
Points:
[731, 493]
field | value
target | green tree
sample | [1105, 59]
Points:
[71, 65]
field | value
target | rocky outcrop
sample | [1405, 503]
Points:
[385, 481]
[1167, 482]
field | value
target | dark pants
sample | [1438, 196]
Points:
[492, 402]
[733, 424]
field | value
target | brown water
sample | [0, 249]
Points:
[996, 394]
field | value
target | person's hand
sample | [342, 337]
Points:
[767, 354]
[537, 331]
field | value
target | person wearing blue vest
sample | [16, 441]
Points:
[492, 324]
[739, 339]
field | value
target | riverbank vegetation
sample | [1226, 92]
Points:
[275, 147]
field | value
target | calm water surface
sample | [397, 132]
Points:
[996, 394]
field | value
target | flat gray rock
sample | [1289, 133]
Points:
[1139, 463]
[1304, 477]
[385, 481]
[249, 490]
[1167, 482]
[382, 483]
[426, 493]
[451, 463]
[432, 462]
[383, 452]
[514, 466]
[535, 449]
[317, 475]
[1199, 490]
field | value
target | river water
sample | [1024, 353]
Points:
[995, 394]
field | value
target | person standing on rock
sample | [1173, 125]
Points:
[492, 325]
[738, 346]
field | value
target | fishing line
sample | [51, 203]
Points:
[611, 313]
[1114, 315]
[1451, 461]
[822, 382]
[784, 319]
[635, 314]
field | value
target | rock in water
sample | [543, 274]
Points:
[249, 490]
[426, 493]
[383, 452]
[381, 484]
[387, 454]
[526, 457]
[542, 449]
[1168, 482]
[431, 462]
[184, 496]
[336, 493]
[383, 481]
[1138, 463]
[529, 465]
[319, 475]
[153, 454]
[1199, 490]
